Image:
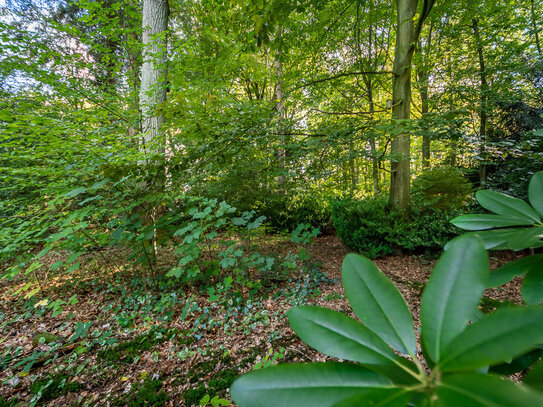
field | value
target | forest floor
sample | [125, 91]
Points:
[105, 339]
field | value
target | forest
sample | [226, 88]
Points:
[271, 203]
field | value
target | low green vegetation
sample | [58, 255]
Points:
[52, 387]
[458, 345]
[149, 392]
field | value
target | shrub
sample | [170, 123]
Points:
[364, 225]
[371, 228]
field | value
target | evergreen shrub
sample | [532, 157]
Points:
[370, 227]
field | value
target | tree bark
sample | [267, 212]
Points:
[424, 77]
[153, 93]
[483, 101]
[534, 26]
[401, 101]
[407, 35]
[281, 116]
[153, 73]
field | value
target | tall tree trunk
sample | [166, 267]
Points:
[153, 73]
[280, 106]
[424, 77]
[483, 102]
[534, 26]
[153, 93]
[368, 80]
[453, 146]
[373, 142]
[401, 101]
[407, 35]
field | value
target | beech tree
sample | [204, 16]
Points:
[153, 73]
[407, 35]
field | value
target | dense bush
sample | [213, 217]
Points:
[371, 228]
[364, 225]
[285, 212]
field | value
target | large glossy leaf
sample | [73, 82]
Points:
[453, 293]
[518, 364]
[394, 397]
[518, 267]
[534, 378]
[378, 303]
[529, 237]
[314, 384]
[532, 286]
[506, 205]
[499, 337]
[496, 239]
[337, 335]
[535, 192]
[483, 222]
[477, 390]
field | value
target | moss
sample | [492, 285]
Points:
[146, 393]
[217, 383]
[46, 338]
[12, 402]
[60, 386]
[217, 386]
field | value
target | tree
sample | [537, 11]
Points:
[153, 73]
[407, 36]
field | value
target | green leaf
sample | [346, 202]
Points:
[378, 303]
[496, 338]
[534, 378]
[506, 273]
[73, 193]
[314, 384]
[493, 239]
[474, 390]
[395, 397]
[532, 286]
[526, 238]
[482, 222]
[256, 223]
[518, 364]
[453, 293]
[337, 335]
[239, 221]
[6, 116]
[535, 192]
[506, 205]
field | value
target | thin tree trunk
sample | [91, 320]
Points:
[534, 26]
[373, 143]
[451, 159]
[423, 77]
[279, 96]
[483, 103]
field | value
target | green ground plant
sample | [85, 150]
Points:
[371, 228]
[149, 392]
[458, 344]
